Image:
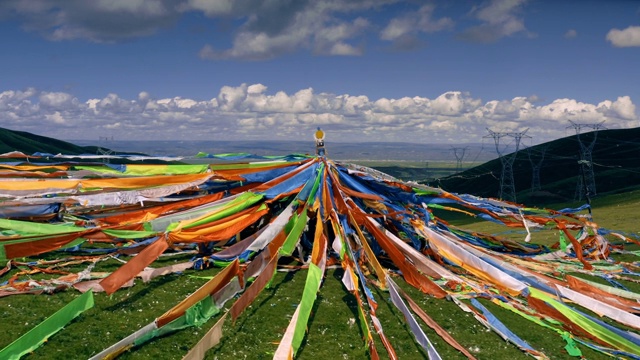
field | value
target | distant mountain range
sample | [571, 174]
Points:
[29, 143]
[372, 151]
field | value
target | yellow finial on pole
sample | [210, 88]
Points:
[319, 136]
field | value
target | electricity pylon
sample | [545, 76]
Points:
[507, 184]
[105, 153]
[536, 164]
[586, 179]
[459, 156]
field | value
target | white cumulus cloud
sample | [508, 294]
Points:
[628, 37]
[57, 100]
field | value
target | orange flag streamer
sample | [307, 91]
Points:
[577, 248]
[129, 270]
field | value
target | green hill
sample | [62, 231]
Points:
[29, 143]
[616, 165]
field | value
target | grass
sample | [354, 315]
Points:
[615, 212]
[415, 170]
[333, 327]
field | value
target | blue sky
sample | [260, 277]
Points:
[413, 71]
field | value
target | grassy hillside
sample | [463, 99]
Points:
[615, 155]
[412, 170]
[29, 143]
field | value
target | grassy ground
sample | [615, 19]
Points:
[416, 170]
[616, 211]
[333, 328]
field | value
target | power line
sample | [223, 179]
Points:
[479, 152]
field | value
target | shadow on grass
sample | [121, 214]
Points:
[272, 291]
[248, 317]
[349, 299]
[152, 286]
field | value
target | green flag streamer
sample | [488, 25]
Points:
[54, 323]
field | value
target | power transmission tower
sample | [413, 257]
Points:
[536, 164]
[507, 184]
[105, 153]
[586, 179]
[459, 156]
[427, 173]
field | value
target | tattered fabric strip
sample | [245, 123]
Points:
[491, 325]
[349, 264]
[209, 340]
[294, 334]
[200, 313]
[571, 347]
[589, 327]
[410, 272]
[129, 270]
[460, 256]
[37, 187]
[416, 330]
[499, 327]
[434, 325]
[601, 308]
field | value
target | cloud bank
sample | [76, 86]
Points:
[260, 30]
[252, 112]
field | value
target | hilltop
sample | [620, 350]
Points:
[29, 143]
[616, 165]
